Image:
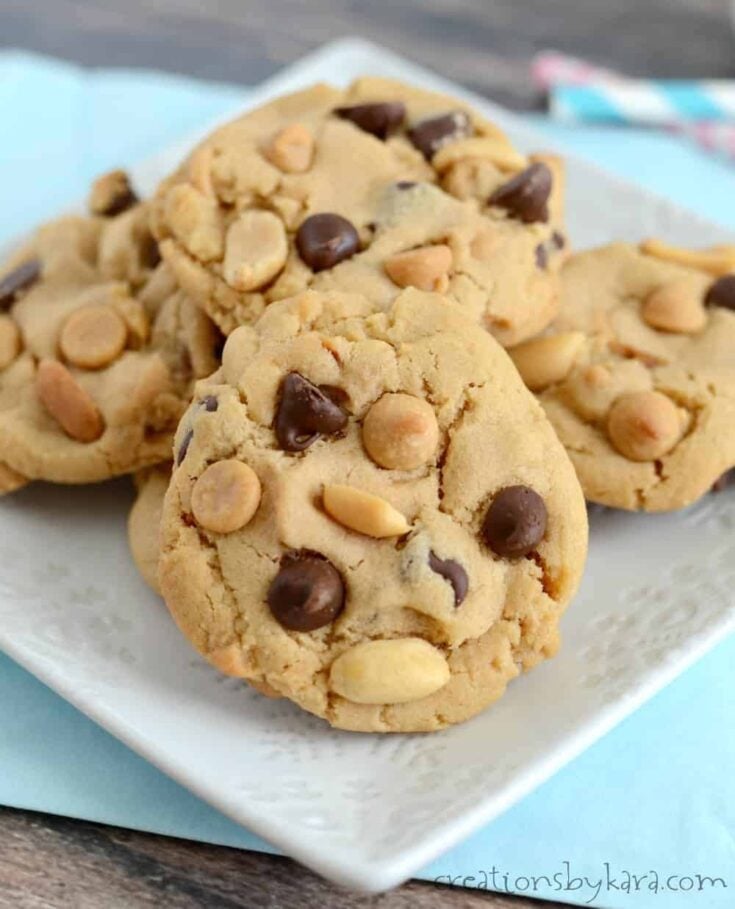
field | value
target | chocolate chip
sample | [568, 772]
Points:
[542, 257]
[120, 202]
[378, 119]
[722, 293]
[526, 196]
[558, 239]
[305, 413]
[210, 403]
[184, 447]
[515, 522]
[335, 394]
[430, 135]
[112, 194]
[324, 240]
[453, 572]
[307, 593]
[18, 279]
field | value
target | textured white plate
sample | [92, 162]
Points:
[368, 811]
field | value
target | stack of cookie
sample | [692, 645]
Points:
[368, 512]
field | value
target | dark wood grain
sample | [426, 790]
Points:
[53, 862]
[49, 863]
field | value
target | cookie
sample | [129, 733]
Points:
[99, 349]
[10, 479]
[638, 374]
[369, 514]
[144, 521]
[370, 189]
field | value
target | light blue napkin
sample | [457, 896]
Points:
[655, 799]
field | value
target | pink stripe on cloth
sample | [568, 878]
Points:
[551, 68]
[705, 134]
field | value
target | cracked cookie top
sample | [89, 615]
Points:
[370, 189]
[638, 373]
[99, 349]
[370, 514]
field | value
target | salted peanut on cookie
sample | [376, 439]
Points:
[638, 372]
[374, 188]
[369, 513]
[99, 349]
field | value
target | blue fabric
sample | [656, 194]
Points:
[684, 101]
[587, 104]
[692, 101]
[656, 797]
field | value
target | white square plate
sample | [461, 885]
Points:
[368, 811]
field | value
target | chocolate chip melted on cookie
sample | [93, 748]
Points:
[305, 413]
[722, 293]
[515, 522]
[326, 239]
[430, 135]
[18, 279]
[526, 196]
[379, 119]
[184, 447]
[452, 572]
[307, 593]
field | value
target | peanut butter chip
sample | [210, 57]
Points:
[226, 496]
[363, 512]
[93, 337]
[644, 425]
[426, 268]
[389, 672]
[67, 402]
[291, 149]
[546, 361]
[675, 307]
[400, 432]
[255, 250]
[9, 341]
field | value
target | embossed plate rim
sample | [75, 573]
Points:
[361, 862]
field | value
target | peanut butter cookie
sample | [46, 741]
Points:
[144, 521]
[370, 189]
[638, 373]
[99, 349]
[369, 514]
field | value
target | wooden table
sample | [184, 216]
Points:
[486, 44]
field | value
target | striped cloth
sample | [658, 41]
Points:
[580, 92]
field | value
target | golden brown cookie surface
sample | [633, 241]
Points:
[638, 372]
[370, 189]
[415, 530]
[98, 350]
